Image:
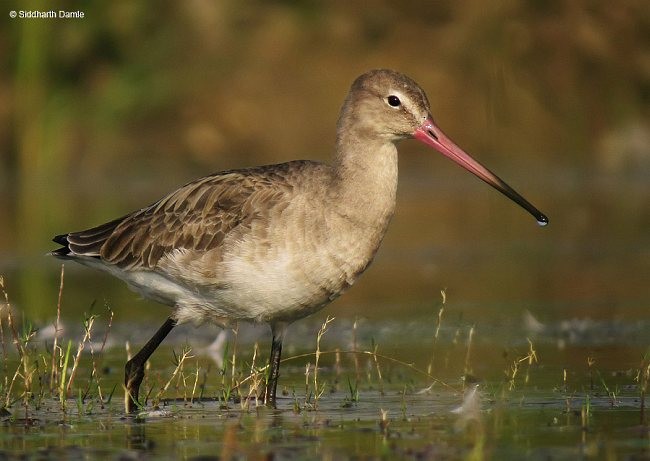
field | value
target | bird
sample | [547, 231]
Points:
[273, 244]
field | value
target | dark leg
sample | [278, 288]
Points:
[274, 364]
[134, 369]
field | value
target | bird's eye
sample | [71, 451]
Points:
[394, 101]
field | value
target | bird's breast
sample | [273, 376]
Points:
[291, 265]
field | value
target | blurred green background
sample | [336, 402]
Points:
[105, 114]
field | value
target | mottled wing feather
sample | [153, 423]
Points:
[198, 216]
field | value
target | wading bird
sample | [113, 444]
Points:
[276, 243]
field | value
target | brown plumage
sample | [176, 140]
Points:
[196, 217]
[273, 243]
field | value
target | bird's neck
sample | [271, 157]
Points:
[366, 177]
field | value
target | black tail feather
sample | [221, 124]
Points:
[64, 250]
[61, 239]
[85, 243]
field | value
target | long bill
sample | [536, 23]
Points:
[430, 134]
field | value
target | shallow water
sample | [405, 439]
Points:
[581, 398]
[415, 427]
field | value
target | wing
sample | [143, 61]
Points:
[198, 216]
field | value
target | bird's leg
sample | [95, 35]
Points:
[134, 369]
[274, 364]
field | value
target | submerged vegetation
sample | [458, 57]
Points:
[402, 404]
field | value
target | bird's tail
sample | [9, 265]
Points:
[84, 243]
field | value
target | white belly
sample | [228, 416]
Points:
[286, 277]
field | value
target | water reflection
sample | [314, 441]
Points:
[136, 435]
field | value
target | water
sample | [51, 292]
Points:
[414, 427]
[567, 390]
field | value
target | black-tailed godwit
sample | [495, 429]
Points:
[275, 243]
